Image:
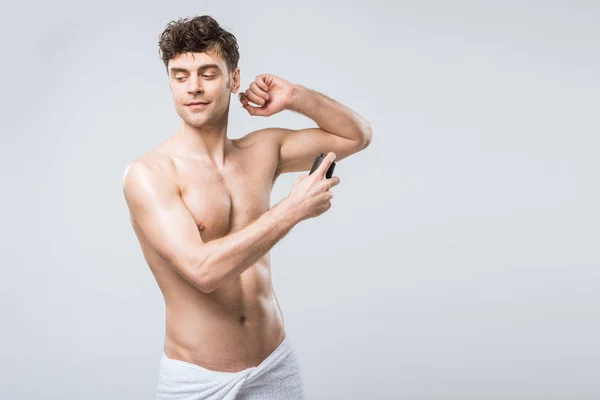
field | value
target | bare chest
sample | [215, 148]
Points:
[224, 202]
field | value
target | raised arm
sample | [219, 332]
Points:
[157, 208]
[341, 130]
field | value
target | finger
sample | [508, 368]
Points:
[243, 99]
[327, 196]
[322, 170]
[333, 181]
[258, 111]
[260, 92]
[253, 97]
[262, 83]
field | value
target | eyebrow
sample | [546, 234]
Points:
[200, 68]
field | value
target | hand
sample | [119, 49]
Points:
[270, 92]
[310, 195]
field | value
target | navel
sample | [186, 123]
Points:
[242, 319]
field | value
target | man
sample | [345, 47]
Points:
[199, 205]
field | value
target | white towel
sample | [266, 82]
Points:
[277, 377]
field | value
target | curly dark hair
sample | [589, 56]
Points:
[198, 34]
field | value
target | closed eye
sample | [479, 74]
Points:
[179, 78]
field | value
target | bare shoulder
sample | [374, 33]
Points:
[151, 168]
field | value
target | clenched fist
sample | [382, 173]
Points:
[271, 93]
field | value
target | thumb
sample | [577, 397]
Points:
[256, 111]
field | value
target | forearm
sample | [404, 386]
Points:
[330, 115]
[227, 257]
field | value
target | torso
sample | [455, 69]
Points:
[240, 323]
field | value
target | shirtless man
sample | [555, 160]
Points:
[200, 207]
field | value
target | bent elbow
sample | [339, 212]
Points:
[206, 289]
[197, 272]
[202, 279]
[367, 137]
[206, 286]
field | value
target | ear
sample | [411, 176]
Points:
[235, 80]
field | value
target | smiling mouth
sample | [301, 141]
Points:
[199, 106]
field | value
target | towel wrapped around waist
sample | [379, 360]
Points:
[277, 377]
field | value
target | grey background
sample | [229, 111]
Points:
[460, 259]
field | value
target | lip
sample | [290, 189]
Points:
[198, 106]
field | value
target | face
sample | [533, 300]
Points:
[202, 77]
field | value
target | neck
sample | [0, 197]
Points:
[208, 141]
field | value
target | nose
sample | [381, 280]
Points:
[195, 85]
